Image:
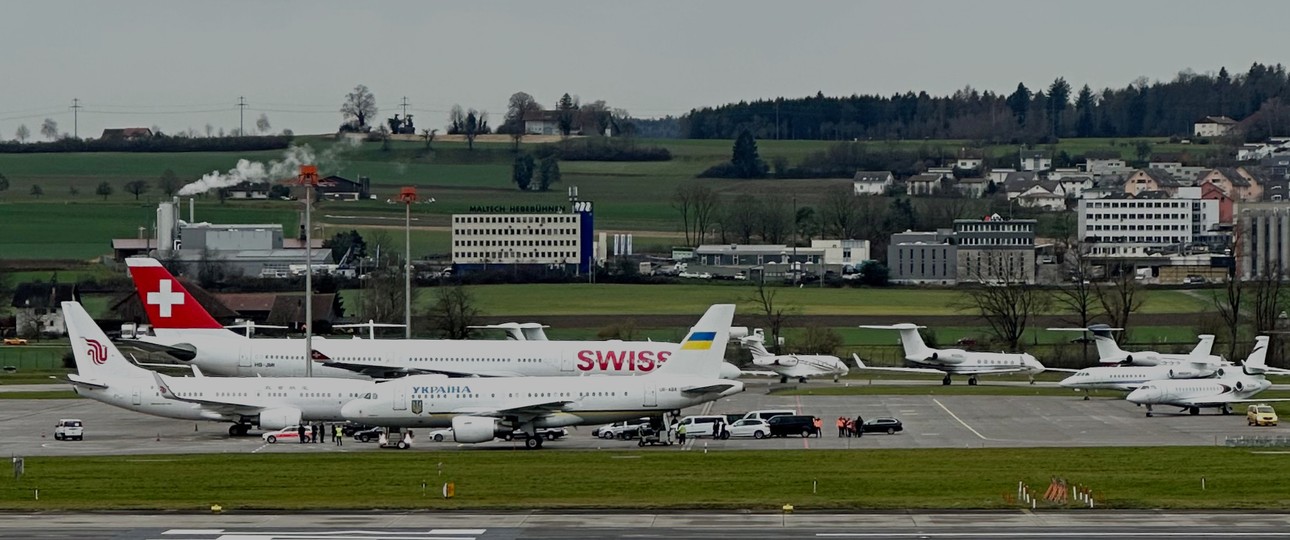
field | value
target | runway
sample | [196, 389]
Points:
[952, 421]
[542, 525]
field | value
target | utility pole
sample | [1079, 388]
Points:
[407, 196]
[241, 113]
[76, 118]
[405, 105]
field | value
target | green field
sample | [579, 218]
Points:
[1121, 478]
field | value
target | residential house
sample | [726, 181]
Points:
[969, 163]
[1276, 165]
[1017, 183]
[289, 309]
[973, 187]
[38, 307]
[999, 176]
[927, 184]
[1149, 180]
[1213, 126]
[546, 123]
[872, 182]
[1044, 195]
[126, 134]
[1210, 191]
[1035, 161]
[1104, 166]
[1235, 182]
[1073, 186]
[1276, 190]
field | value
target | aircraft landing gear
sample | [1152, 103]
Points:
[783, 379]
[238, 430]
[1149, 411]
[801, 380]
[972, 380]
[1193, 411]
[836, 377]
[946, 380]
[1085, 394]
[1227, 408]
[533, 443]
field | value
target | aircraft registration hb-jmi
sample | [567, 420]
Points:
[479, 409]
[184, 329]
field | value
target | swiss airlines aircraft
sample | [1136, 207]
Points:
[104, 374]
[478, 410]
[184, 329]
[797, 366]
[1109, 352]
[1228, 387]
[955, 361]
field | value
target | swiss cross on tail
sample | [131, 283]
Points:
[168, 303]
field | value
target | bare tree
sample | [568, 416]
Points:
[775, 313]
[23, 133]
[841, 212]
[428, 136]
[49, 129]
[697, 204]
[1005, 301]
[1079, 296]
[471, 129]
[168, 182]
[210, 130]
[359, 106]
[1228, 304]
[1266, 294]
[741, 219]
[262, 123]
[453, 312]
[136, 188]
[775, 223]
[1120, 298]
[456, 120]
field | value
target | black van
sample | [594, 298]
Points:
[785, 425]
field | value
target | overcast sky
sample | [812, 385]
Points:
[181, 65]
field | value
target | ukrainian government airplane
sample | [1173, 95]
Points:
[478, 410]
[1230, 385]
[797, 366]
[104, 374]
[954, 361]
[187, 332]
[1109, 352]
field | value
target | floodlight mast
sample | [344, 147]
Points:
[309, 179]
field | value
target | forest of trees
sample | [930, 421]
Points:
[1257, 97]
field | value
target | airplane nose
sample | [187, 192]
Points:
[1067, 382]
[1140, 396]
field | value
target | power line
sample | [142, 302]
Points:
[241, 112]
[76, 118]
[405, 106]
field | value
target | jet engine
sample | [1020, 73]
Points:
[279, 418]
[475, 429]
[1183, 374]
[934, 356]
[1240, 386]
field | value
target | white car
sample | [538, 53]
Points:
[750, 427]
[68, 429]
[621, 430]
[289, 433]
[441, 435]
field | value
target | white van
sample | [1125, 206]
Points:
[69, 428]
[700, 426]
[768, 414]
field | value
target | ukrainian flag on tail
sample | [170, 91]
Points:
[699, 341]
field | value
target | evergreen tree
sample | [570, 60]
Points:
[548, 173]
[1084, 110]
[566, 109]
[522, 172]
[1019, 102]
[1059, 95]
[745, 159]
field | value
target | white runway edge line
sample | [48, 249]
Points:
[1058, 534]
[957, 419]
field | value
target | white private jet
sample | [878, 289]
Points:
[478, 410]
[104, 374]
[797, 366]
[954, 361]
[184, 329]
[1227, 387]
[1109, 352]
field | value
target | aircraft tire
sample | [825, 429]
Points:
[272, 439]
[1193, 411]
[532, 443]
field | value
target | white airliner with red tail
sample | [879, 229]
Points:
[187, 332]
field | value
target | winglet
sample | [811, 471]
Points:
[162, 387]
[859, 362]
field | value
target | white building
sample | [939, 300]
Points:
[521, 238]
[872, 182]
[1213, 126]
[1035, 161]
[1123, 227]
[1100, 167]
[844, 252]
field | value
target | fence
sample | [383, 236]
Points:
[1258, 441]
[31, 358]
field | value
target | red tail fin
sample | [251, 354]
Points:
[168, 303]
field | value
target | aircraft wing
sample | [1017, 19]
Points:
[758, 373]
[377, 371]
[1062, 370]
[709, 389]
[860, 364]
[536, 408]
[179, 351]
[230, 406]
[1275, 371]
[77, 380]
[991, 371]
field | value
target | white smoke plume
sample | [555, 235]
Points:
[286, 167]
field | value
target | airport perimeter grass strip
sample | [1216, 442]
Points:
[51, 394]
[861, 389]
[654, 479]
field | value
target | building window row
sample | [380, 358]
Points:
[515, 219]
[1136, 216]
[512, 243]
[511, 232]
[1136, 228]
[507, 256]
[1137, 204]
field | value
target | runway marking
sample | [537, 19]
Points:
[957, 419]
[193, 532]
[432, 534]
[1055, 534]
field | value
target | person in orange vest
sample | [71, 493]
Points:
[851, 428]
[819, 426]
[842, 426]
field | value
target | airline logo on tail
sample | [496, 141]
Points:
[97, 352]
[699, 341]
[165, 298]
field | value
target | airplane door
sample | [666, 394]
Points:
[566, 362]
[651, 397]
[400, 397]
[244, 356]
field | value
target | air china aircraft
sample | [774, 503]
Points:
[1228, 387]
[797, 366]
[186, 331]
[955, 361]
[104, 374]
[1109, 352]
[478, 410]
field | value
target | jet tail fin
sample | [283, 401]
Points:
[97, 358]
[703, 351]
[1205, 347]
[168, 303]
[1256, 362]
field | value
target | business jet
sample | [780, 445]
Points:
[105, 375]
[1109, 352]
[797, 366]
[1129, 378]
[954, 361]
[478, 410]
[1229, 386]
[186, 331]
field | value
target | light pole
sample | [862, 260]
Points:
[407, 196]
[309, 179]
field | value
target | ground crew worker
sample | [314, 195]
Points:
[851, 428]
[819, 426]
[300, 431]
[859, 426]
[842, 426]
[339, 437]
[680, 434]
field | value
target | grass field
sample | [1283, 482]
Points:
[1121, 478]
